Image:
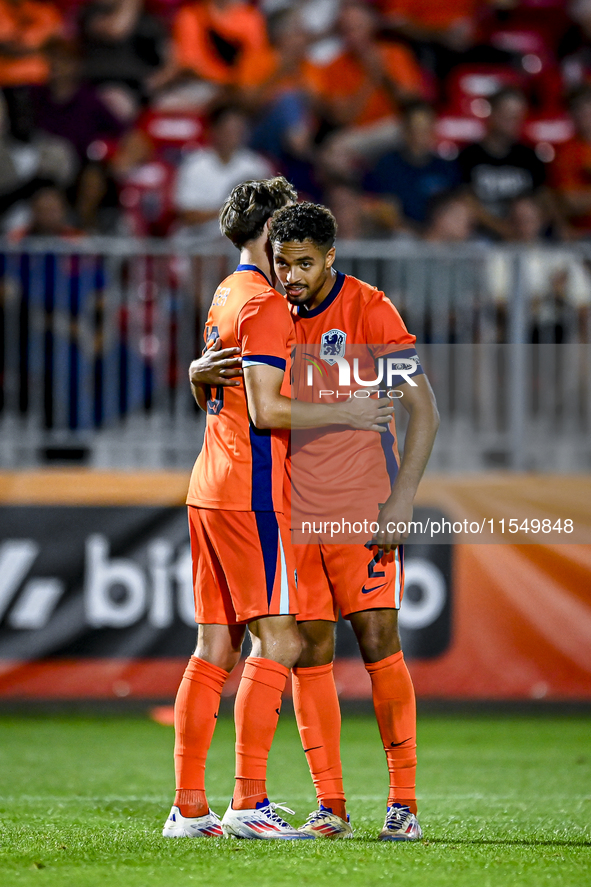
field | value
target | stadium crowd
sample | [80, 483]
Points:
[409, 118]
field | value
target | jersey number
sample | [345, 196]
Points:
[214, 404]
[372, 573]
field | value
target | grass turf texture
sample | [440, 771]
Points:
[503, 801]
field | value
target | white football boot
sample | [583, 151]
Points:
[400, 825]
[323, 823]
[262, 823]
[179, 826]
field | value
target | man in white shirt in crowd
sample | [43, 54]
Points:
[207, 175]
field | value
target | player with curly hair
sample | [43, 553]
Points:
[332, 312]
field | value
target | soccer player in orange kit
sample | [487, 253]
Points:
[243, 568]
[331, 312]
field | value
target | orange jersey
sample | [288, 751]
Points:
[241, 468]
[214, 41]
[28, 26]
[262, 71]
[334, 470]
[341, 83]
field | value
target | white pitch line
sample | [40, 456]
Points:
[160, 799]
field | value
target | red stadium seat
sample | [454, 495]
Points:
[172, 132]
[146, 199]
[554, 130]
[538, 61]
[469, 86]
[544, 133]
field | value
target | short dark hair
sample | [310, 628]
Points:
[304, 221]
[250, 205]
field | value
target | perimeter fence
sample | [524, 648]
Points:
[96, 337]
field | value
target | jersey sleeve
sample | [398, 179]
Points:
[388, 336]
[264, 331]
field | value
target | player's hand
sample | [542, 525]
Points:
[393, 521]
[217, 366]
[368, 414]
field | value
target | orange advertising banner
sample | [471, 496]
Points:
[521, 612]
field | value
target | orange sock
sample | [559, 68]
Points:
[395, 708]
[195, 712]
[318, 715]
[256, 712]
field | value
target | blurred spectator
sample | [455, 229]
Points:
[449, 26]
[206, 176]
[97, 200]
[19, 169]
[319, 15]
[121, 43]
[27, 164]
[212, 38]
[146, 196]
[570, 173]
[362, 88]
[449, 313]
[25, 27]
[574, 49]
[74, 112]
[527, 220]
[273, 90]
[556, 284]
[358, 216]
[450, 219]
[50, 216]
[163, 136]
[500, 167]
[54, 291]
[272, 86]
[444, 35]
[164, 9]
[413, 174]
[68, 108]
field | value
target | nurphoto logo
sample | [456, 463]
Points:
[389, 370]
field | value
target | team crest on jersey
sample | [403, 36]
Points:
[332, 345]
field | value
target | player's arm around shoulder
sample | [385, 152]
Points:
[216, 368]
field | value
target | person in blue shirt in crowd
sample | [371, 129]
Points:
[414, 174]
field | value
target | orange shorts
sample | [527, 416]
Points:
[243, 565]
[346, 578]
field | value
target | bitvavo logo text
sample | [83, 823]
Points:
[389, 370]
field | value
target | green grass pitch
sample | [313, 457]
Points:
[503, 801]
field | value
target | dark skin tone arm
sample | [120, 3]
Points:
[419, 403]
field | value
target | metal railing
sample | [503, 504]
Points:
[97, 336]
